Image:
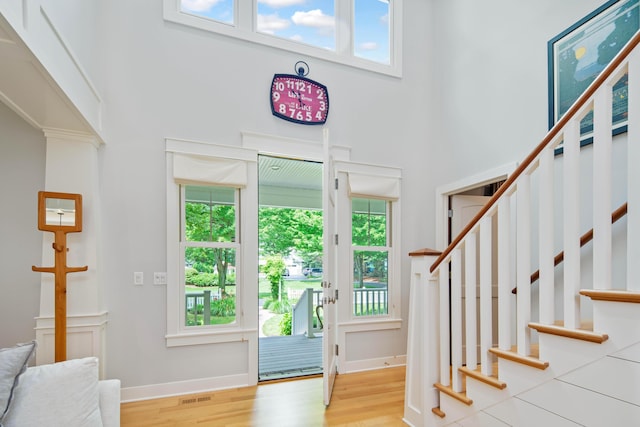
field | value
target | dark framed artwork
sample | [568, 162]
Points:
[578, 54]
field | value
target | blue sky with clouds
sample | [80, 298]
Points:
[310, 22]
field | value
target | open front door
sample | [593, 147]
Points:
[329, 283]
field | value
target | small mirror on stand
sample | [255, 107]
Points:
[59, 212]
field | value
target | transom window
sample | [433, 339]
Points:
[361, 33]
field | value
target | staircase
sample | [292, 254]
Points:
[582, 305]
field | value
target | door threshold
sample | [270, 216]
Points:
[272, 379]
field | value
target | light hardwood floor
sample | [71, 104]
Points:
[363, 399]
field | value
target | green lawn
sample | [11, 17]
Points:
[272, 326]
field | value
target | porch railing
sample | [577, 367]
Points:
[370, 301]
[195, 300]
[304, 317]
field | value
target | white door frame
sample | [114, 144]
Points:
[444, 191]
[293, 148]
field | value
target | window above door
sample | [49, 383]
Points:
[365, 34]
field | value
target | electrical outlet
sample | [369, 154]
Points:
[138, 278]
[159, 278]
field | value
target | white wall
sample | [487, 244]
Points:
[22, 159]
[167, 80]
[492, 79]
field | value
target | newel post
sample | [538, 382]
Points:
[422, 341]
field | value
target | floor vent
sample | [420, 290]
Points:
[193, 400]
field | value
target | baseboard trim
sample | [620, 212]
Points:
[372, 364]
[157, 391]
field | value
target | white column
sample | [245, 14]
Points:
[72, 167]
[422, 341]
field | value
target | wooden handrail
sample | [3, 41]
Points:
[586, 238]
[580, 102]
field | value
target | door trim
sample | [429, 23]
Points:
[444, 191]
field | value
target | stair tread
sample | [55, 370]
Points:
[530, 360]
[611, 295]
[458, 395]
[477, 374]
[438, 412]
[584, 333]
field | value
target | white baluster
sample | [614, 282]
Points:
[486, 287]
[633, 175]
[602, 179]
[546, 233]
[571, 196]
[504, 273]
[470, 300]
[445, 356]
[456, 319]
[523, 265]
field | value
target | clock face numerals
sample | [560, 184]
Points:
[298, 99]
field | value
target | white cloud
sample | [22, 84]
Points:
[313, 18]
[297, 38]
[384, 19]
[199, 5]
[271, 23]
[368, 46]
[281, 3]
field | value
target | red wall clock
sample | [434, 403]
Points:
[298, 99]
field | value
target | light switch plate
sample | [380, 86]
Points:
[159, 278]
[138, 278]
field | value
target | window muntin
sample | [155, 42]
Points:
[257, 21]
[310, 22]
[371, 30]
[209, 246]
[370, 254]
[216, 10]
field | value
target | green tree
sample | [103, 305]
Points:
[284, 229]
[273, 268]
[369, 228]
[210, 222]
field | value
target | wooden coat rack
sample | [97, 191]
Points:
[60, 213]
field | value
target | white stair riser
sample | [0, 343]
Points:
[521, 377]
[619, 320]
[565, 354]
